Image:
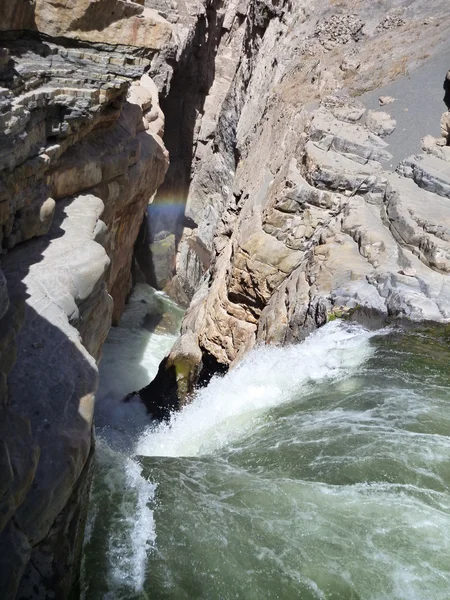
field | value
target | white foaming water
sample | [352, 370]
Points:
[121, 517]
[341, 492]
[121, 496]
[267, 377]
[130, 360]
[133, 532]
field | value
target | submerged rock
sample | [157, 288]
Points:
[176, 379]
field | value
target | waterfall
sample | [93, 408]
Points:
[269, 376]
[316, 471]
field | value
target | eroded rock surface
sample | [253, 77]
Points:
[292, 213]
[287, 215]
[275, 66]
[80, 158]
[332, 233]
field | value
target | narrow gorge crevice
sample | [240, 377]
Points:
[288, 126]
[202, 112]
[183, 108]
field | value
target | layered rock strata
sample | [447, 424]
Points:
[293, 215]
[279, 57]
[81, 156]
[288, 216]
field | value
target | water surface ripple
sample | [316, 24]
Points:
[317, 471]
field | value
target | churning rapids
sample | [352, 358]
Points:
[316, 471]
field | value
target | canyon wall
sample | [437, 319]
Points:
[294, 213]
[81, 155]
[280, 210]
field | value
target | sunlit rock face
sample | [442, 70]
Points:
[280, 209]
[292, 210]
[81, 156]
[104, 21]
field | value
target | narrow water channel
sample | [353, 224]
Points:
[316, 471]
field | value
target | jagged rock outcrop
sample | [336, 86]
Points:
[333, 232]
[113, 22]
[287, 214]
[81, 156]
[292, 213]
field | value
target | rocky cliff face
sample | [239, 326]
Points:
[279, 210]
[81, 156]
[294, 214]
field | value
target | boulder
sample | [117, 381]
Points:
[176, 379]
[380, 123]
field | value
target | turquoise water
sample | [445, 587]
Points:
[316, 471]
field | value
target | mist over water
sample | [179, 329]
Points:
[320, 470]
[130, 360]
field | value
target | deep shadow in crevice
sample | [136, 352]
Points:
[446, 87]
[210, 367]
[192, 80]
[161, 395]
[142, 254]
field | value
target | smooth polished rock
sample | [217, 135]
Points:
[80, 160]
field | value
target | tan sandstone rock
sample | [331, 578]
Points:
[78, 168]
[103, 21]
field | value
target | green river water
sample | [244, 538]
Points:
[316, 471]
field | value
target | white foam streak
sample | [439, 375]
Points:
[128, 554]
[131, 356]
[120, 501]
[267, 377]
